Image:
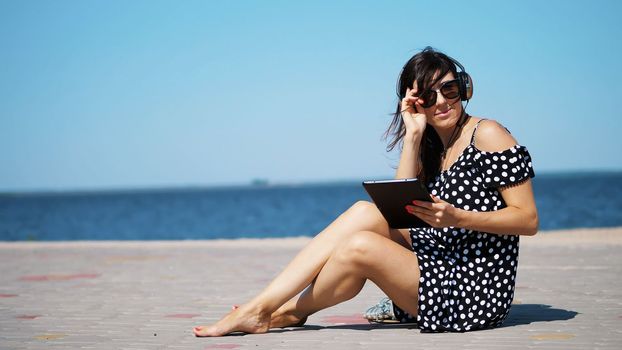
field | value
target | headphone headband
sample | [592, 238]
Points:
[465, 82]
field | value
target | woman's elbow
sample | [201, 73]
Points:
[532, 224]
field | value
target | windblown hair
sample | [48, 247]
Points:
[426, 67]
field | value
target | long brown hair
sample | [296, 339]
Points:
[426, 67]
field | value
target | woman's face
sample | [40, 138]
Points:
[445, 113]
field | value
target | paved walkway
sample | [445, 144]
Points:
[148, 295]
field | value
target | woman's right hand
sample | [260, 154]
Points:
[414, 121]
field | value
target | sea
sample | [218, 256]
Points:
[564, 201]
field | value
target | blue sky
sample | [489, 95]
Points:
[123, 94]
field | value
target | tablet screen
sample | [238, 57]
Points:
[391, 197]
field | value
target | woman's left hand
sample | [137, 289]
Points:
[437, 214]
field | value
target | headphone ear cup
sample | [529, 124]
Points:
[466, 86]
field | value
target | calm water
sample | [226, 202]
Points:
[564, 201]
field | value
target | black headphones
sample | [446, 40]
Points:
[465, 82]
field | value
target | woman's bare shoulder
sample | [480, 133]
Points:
[491, 136]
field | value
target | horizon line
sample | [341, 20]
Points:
[253, 183]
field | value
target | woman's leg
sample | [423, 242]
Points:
[363, 255]
[302, 270]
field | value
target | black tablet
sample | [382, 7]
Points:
[392, 196]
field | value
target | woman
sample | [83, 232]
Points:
[457, 275]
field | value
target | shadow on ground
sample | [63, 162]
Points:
[520, 314]
[528, 313]
[356, 327]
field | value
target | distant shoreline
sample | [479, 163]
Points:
[574, 237]
[251, 184]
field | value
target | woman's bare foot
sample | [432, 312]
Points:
[282, 319]
[238, 320]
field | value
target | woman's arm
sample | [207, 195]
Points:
[519, 217]
[415, 124]
[410, 164]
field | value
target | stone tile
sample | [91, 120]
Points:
[118, 295]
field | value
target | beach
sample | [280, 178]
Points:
[149, 294]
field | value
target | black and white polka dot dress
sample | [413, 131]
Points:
[467, 277]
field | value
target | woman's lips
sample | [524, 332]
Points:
[443, 114]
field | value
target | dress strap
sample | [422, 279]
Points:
[475, 129]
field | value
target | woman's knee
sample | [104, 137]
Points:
[358, 248]
[367, 211]
[363, 206]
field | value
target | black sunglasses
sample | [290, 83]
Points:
[449, 89]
